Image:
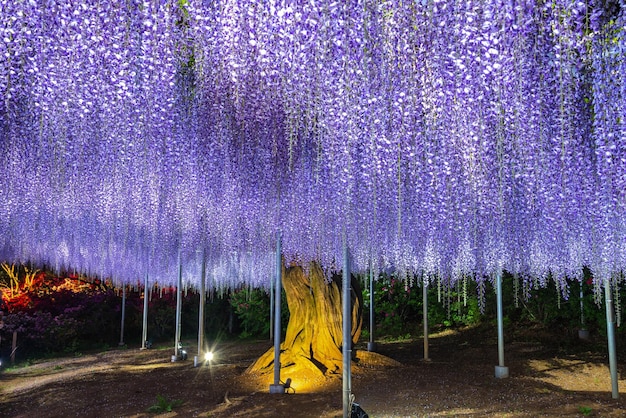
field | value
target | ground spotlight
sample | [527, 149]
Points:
[208, 356]
[182, 353]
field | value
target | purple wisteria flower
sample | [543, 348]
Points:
[450, 139]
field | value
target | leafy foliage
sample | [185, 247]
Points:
[527, 304]
[548, 306]
[60, 314]
[164, 405]
[252, 307]
[398, 307]
[65, 314]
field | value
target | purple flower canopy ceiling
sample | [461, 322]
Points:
[448, 138]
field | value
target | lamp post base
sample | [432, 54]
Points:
[277, 388]
[502, 372]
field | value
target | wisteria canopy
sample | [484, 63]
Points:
[448, 138]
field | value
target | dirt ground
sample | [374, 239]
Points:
[548, 377]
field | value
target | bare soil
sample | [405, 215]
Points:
[549, 376]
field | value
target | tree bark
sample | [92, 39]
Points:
[313, 341]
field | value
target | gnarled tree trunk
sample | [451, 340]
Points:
[314, 338]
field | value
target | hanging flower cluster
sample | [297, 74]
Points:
[446, 138]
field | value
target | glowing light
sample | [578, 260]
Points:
[208, 356]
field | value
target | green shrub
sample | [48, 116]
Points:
[398, 306]
[252, 307]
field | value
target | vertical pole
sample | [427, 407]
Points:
[144, 335]
[347, 330]
[610, 332]
[371, 346]
[201, 307]
[179, 303]
[272, 284]
[501, 370]
[13, 347]
[500, 320]
[277, 387]
[583, 333]
[123, 315]
[425, 315]
[582, 307]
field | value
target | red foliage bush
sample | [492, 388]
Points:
[59, 314]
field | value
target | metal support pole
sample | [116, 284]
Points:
[583, 332]
[123, 315]
[501, 370]
[144, 335]
[277, 387]
[371, 346]
[610, 332]
[347, 331]
[582, 306]
[425, 316]
[179, 303]
[201, 308]
[272, 284]
[13, 347]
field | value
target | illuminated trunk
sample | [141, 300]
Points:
[313, 341]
